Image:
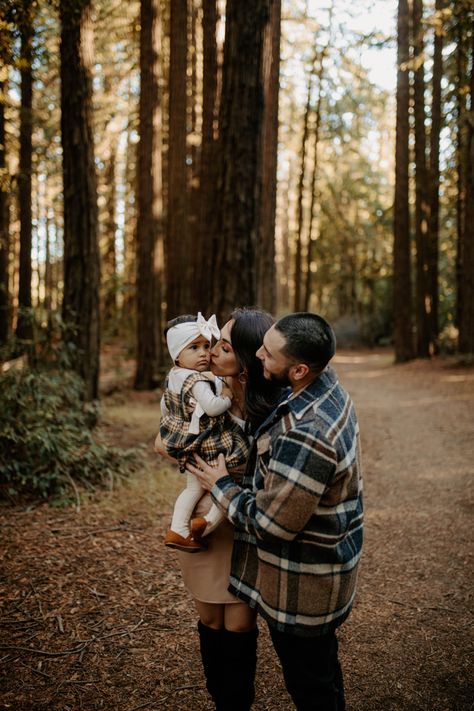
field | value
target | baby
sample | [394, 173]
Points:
[195, 419]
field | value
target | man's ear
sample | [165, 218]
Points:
[299, 371]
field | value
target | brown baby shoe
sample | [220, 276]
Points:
[198, 526]
[188, 544]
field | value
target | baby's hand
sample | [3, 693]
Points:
[227, 392]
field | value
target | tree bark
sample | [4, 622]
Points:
[179, 266]
[4, 226]
[266, 276]
[149, 198]
[24, 329]
[298, 274]
[205, 239]
[240, 156]
[424, 299]
[466, 324]
[461, 107]
[435, 173]
[402, 323]
[81, 250]
[109, 258]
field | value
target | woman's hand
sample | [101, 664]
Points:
[207, 475]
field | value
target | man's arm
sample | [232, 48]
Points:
[299, 469]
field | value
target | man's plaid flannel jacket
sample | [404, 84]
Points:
[299, 523]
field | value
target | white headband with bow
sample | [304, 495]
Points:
[181, 335]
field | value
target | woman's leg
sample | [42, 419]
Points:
[210, 614]
[228, 642]
[239, 617]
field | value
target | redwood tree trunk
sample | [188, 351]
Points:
[206, 247]
[266, 278]
[466, 324]
[424, 298]
[402, 325]
[149, 198]
[298, 272]
[240, 156]
[24, 329]
[4, 229]
[179, 265]
[434, 176]
[81, 250]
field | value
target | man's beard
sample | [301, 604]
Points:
[282, 379]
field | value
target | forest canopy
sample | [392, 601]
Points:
[163, 157]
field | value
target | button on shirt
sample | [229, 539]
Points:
[299, 523]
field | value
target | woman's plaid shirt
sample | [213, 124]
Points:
[299, 523]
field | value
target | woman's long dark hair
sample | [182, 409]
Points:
[261, 395]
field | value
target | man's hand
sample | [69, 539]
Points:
[207, 475]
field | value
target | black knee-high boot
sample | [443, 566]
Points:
[210, 641]
[239, 660]
[229, 660]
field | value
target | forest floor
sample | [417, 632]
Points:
[93, 614]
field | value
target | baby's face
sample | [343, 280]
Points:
[196, 355]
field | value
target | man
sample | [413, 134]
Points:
[303, 509]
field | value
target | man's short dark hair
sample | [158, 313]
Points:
[309, 339]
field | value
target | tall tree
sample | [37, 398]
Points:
[266, 280]
[149, 197]
[434, 169]
[424, 298]
[298, 273]
[466, 323]
[25, 23]
[4, 219]
[205, 246]
[402, 327]
[240, 156]
[81, 250]
[179, 265]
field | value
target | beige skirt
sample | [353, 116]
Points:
[206, 574]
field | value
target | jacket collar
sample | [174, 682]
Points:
[298, 403]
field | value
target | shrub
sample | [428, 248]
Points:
[46, 442]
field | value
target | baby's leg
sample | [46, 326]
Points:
[213, 517]
[185, 504]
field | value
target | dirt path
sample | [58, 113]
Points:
[93, 614]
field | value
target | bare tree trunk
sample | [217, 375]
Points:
[149, 197]
[109, 257]
[266, 275]
[179, 267]
[205, 239]
[461, 67]
[24, 330]
[4, 227]
[435, 174]
[424, 298]
[81, 249]
[298, 274]
[314, 172]
[240, 155]
[466, 324]
[402, 326]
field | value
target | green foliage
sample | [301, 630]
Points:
[46, 443]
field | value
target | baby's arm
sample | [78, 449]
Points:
[212, 405]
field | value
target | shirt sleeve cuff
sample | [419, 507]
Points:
[223, 489]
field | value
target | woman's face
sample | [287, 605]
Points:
[223, 359]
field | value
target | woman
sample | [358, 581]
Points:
[227, 626]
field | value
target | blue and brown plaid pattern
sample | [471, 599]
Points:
[217, 435]
[298, 523]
